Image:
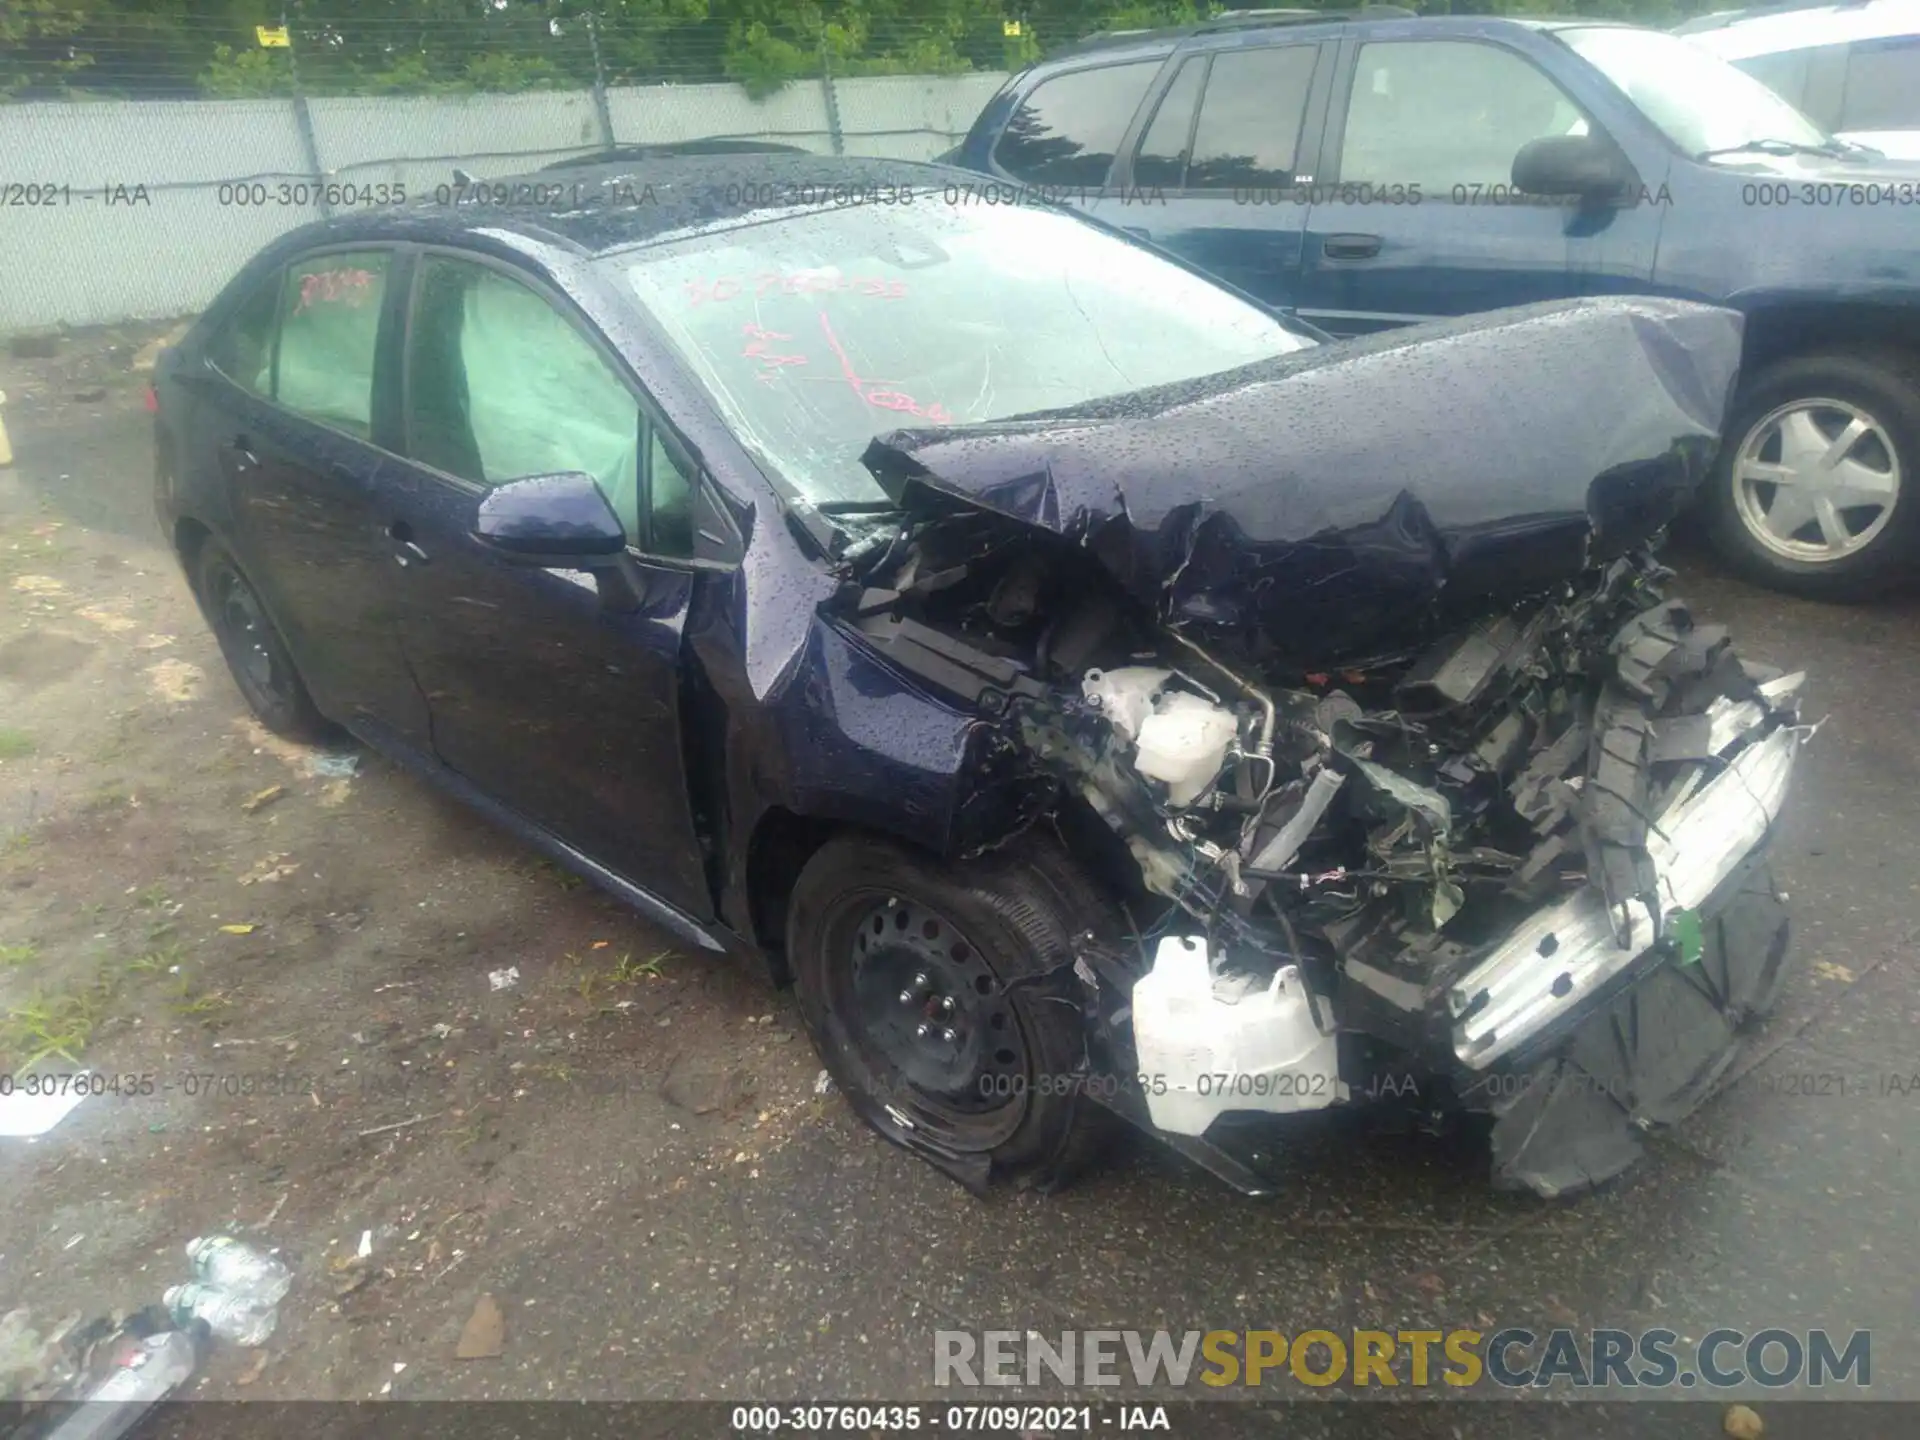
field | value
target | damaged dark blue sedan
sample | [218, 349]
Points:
[1092, 694]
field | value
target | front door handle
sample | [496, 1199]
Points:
[407, 551]
[1350, 247]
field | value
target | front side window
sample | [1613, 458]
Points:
[1700, 102]
[1066, 131]
[501, 385]
[1448, 113]
[1784, 72]
[815, 330]
[329, 330]
[1250, 118]
[1883, 85]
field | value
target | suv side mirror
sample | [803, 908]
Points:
[551, 520]
[1586, 166]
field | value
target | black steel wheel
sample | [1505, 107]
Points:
[255, 653]
[909, 978]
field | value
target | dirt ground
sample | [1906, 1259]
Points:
[288, 972]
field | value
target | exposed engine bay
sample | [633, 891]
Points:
[1513, 855]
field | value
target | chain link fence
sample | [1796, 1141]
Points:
[141, 163]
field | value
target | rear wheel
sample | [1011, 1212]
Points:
[908, 973]
[1814, 491]
[254, 651]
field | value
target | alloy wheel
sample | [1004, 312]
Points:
[1816, 480]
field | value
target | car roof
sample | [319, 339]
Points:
[621, 205]
[1738, 34]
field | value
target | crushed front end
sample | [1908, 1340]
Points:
[1497, 846]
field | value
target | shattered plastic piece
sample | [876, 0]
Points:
[145, 1371]
[823, 1084]
[1742, 1423]
[504, 979]
[238, 929]
[484, 1334]
[263, 798]
[339, 765]
[24, 1115]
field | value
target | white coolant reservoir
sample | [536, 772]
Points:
[1184, 742]
[1209, 1044]
[1125, 695]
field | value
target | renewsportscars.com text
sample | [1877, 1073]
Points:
[1513, 1357]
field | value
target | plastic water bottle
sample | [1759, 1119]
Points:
[145, 1373]
[236, 1267]
[241, 1319]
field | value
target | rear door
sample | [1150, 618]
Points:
[1414, 216]
[551, 700]
[290, 395]
[1220, 168]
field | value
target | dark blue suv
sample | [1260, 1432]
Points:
[1369, 170]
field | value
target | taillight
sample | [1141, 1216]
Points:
[153, 401]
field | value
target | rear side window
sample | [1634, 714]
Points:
[1250, 118]
[329, 329]
[1066, 131]
[1162, 160]
[1883, 85]
[242, 348]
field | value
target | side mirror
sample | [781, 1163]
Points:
[551, 520]
[1585, 166]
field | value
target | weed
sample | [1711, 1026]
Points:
[154, 897]
[624, 971]
[15, 744]
[19, 954]
[55, 1026]
[158, 961]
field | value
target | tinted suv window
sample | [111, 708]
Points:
[1250, 118]
[1162, 158]
[329, 325]
[501, 385]
[1446, 113]
[242, 348]
[1067, 130]
[1883, 85]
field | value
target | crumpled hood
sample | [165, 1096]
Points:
[1317, 507]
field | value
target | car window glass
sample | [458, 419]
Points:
[1162, 158]
[242, 348]
[329, 324]
[1883, 85]
[1446, 113]
[1250, 118]
[1067, 130]
[669, 501]
[501, 385]
[1784, 73]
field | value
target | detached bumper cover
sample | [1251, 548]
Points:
[1553, 964]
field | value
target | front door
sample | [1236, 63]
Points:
[555, 701]
[1417, 217]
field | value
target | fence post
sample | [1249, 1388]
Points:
[834, 132]
[600, 83]
[303, 122]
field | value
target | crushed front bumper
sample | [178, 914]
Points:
[1552, 965]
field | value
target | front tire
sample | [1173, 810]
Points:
[255, 653]
[1817, 487]
[907, 977]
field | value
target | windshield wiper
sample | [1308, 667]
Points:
[1831, 148]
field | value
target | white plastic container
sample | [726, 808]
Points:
[1184, 743]
[1207, 1044]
